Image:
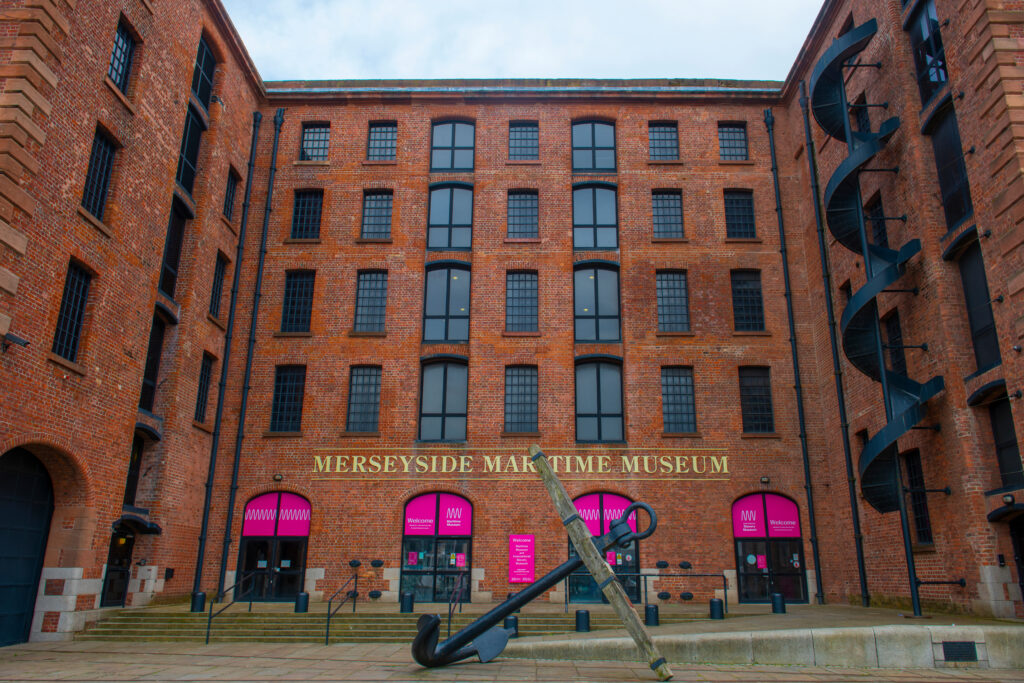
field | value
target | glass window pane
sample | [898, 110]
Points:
[430, 428]
[433, 378]
[583, 238]
[604, 158]
[581, 135]
[586, 329]
[605, 206]
[608, 329]
[583, 206]
[462, 238]
[458, 296]
[437, 291]
[441, 158]
[604, 135]
[582, 159]
[463, 135]
[455, 429]
[439, 205]
[456, 388]
[437, 238]
[443, 135]
[586, 388]
[586, 429]
[611, 429]
[462, 206]
[606, 238]
[463, 158]
[433, 329]
[611, 388]
[584, 290]
[458, 330]
[607, 291]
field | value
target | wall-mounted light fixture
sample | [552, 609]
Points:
[765, 481]
[278, 477]
[1008, 499]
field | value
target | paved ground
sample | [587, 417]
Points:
[94, 661]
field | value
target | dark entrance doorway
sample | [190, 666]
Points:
[272, 555]
[26, 506]
[769, 550]
[119, 568]
[1017, 536]
[598, 510]
[437, 547]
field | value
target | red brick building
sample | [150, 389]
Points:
[255, 330]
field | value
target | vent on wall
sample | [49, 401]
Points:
[959, 651]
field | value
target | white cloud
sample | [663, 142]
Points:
[324, 39]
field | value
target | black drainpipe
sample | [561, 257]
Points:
[278, 120]
[199, 597]
[769, 122]
[844, 425]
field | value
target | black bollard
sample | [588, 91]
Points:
[651, 616]
[582, 621]
[717, 610]
[512, 625]
[302, 603]
[407, 603]
[198, 602]
[778, 603]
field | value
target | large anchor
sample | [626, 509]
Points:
[486, 639]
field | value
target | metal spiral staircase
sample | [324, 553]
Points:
[861, 338]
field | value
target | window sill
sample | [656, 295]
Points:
[374, 240]
[301, 240]
[681, 435]
[380, 162]
[217, 321]
[743, 240]
[669, 240]
[458, 249]
[431, 342]
[520, 434]
[599, 172]
[923, 548]
[169, 307]
[95, 222]
[760, 435]
[281, 435]
[202, 427]
[751, 333]
[66, 364]
[204, 113]
[665, 162]
[680, 333]
[147, 5]
[511, 333]
[280, 333]
[602, 443]
[185, 197]
[366, 333]
[311, 162]
[441, 442]
[522, 240]
[523, 162]
[460, 171]
[360, 435]
[119, 95]
[735, 162]
[229, 224]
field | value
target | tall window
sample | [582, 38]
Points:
[289, 387]
[371, 301]
[596, 291]
[451, 217]
[929, 56]
[229, 195]
[667, 211]
[121, 57]
[521, 301]
[316, 140]
[756, 400]
[451, 147]
[875, 216]
[894, 343]
[188, 156]
[131, 483]
[1005, 439]
[306, 214]
[217, 285]
[739, 214]
[297, 308]
[599, 414]
[663, 141]
[951, 170]
[203, 393]
[979, 308]
[521, 398]
[172, 249]
[377, 215]
[679, 414]
[673, 301]
[443, 402]
[861, 117]
[595, 222]
[382, 141]
[522, 213]
[593, 147]
[363, 399]
[747, 308]
[202, 74]
[97, 177]
[151, 372]
[523, 140]
[732, 141]
[446, 305]
[918, 498]
[72, 312]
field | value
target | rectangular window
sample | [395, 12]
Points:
[97, 177]
[663, 141]
[739, 215]
[673, 301]
[203, 394]
[593, 147]
[363, 399]
[521, 302]
[446, 305]
[202, 74]
[286, 410]
[376, 215]
[874, 214]
[599, 415]
[306, 214]
[382, 141]
[298, 300]
[861, 117]
[522, 214]
[595, 222]
[217, 286]
[732, 141]
[72, 312]
[918, 498]
[172, 249]
[521, 398]
[443, 392]
[188, 156]
[679, 414]
[951, 170]
[667, 211]
[451, 147]
[316, 139]
[1005, 440]
[121, 57]
[371, 301]
[929, 55]
[450, 223]
[979, 308]
[756, 400]
[596, 294]
[229, 195]
[894, 343]
[523, 141]
[151, 373]
[747, 307]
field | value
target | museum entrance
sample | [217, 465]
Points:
[119, 568]
[437, 547]
[769, 549]
[1017, 536]
[26, 507]
[598, 510]
[272, 555]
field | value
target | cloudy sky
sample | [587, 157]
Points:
[323, 39]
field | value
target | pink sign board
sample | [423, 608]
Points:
[610, 557]
[260, 516]
[293, 517]
[748, 517]
[762, 562]
[589, 509]
[521, 563]
[783, 517]
[456, 516]
[460, 559]
[286, 514]
[419, 515]
[614, 506]
[412, 559]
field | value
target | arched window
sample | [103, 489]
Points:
[595, 221]
[593, 147]
[437, 546]
[443, 391]
[599, 414]
[272, 554]
[450, 222]
[598, 510]
[451, 147]
[446, 303]
[769, 550]
[596, 303]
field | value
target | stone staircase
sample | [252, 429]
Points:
[346, 627]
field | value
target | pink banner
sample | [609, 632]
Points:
[614, 506]
[521, 558]
[419, 515]
[589, 509]
[288, 512]
[783, 517]
[260, 515]
[748, 517]
[599, 521]
[456, 516]
[460, 559]
[293, 518]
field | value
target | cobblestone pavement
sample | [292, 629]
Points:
[100, 661]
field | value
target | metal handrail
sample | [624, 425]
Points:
[221, 594]
[725, 584]
[354, 594]
[451, 600]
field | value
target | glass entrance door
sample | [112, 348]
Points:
[289, 563]
[272, 555]
[119, 569]
[437, 547]
[626, 565]
[769, 549]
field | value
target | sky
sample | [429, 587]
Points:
[342, 39]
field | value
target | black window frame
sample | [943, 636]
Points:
[521, 301]
[861, 114]
[663, 140]
[67, 333]
[378, 209]
[453, 148]
[203, 73]
[929, 54]
[672, 293]
[756, 399]
[121, 56]
[203, 388]
[230, 190]
[598, 313]
[678, 400]
[220, 268]
[912, 466]
[315, 142]
[980, 320]
[1005, 443]
[596, 228]
[950, 168]
[602, 412]
[733, 143]
[363, 411]
[521, 396]
[523, 214]
[593, 148]
[371, 301]
[307, 214]
[151, 370]
[382, 141]
[96, 189]
[740, 218]
[451, 268]
[747, 300]
[446, 395]
[188, 154]
[449, 228]
[874, 216]
[523, 141]
[667, 214]
[892, 334]
[297, 301]
[170, 264]
[288, 397]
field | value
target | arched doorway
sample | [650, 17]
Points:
[598, 510]
[437, 546]
[769, 549]
[26, 507]
[272, 556]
